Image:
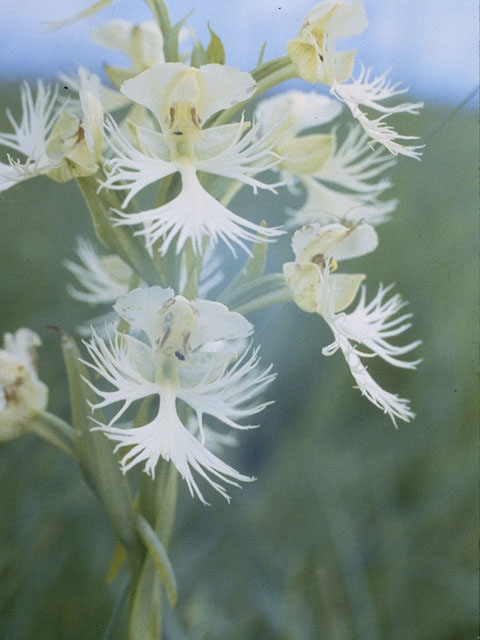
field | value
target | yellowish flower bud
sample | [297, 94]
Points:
[21, 392]
[314, 53]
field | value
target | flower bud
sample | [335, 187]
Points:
[21, 392]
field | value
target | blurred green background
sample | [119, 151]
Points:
[353, 530]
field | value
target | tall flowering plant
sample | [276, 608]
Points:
[172, 372]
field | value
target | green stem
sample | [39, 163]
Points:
[117, 610]
[262, 302]
[54, 430]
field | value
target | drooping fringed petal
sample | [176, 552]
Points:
[369, 91]
[229, 395]
[101, 280]
[370, 326]
[391, 404]
[196, 215]
[167, 437]
[374, 323]
[111, 361]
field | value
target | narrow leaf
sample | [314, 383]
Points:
[159, 557]
[262, 54]
[118, 559]
[94, 452]
[145, 620]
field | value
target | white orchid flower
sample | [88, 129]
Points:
[364, 332]
[56, 141]
[182, 99]
[313, 51]
[317, 60]
[21, 391]
[193, 352]
[343, 181]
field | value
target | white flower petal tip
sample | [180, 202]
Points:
[371, 326]
[370, 91]
[195, 353]
[30, 135]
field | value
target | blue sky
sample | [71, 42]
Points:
[431, 44]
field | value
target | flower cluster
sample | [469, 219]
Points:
[160, 154]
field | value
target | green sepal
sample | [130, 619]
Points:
[159, 556]
[94, 452]
[215, 50]
[118, 238]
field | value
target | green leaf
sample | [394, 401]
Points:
[215, 50]
[118, 558]
[159, 556]
[145, 620]
[118, 238]
[261, 54]
[95, 453]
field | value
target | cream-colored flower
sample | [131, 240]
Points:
[21, 392]
[317, 251]
[314, 52]
[182, 99]
[342, 181]
[192, 352]
[59, 139]
[365, 332]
